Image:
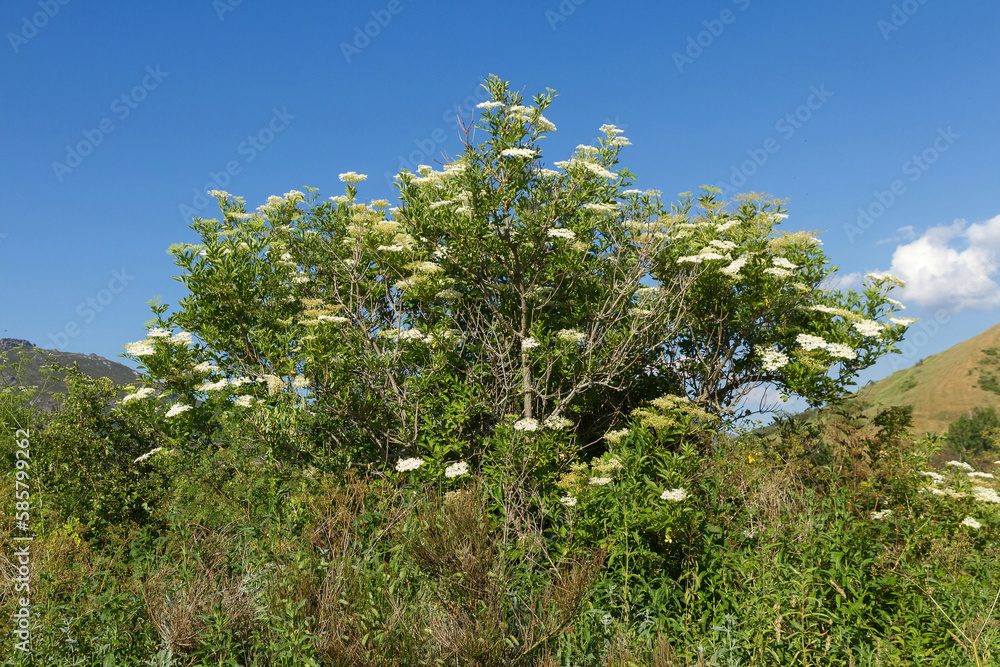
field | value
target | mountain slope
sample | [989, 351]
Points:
[21, 365]
[944, 386]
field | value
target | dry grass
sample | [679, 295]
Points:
[180, 596]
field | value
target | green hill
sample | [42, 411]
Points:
[940, 388]
[23, 365]
[944, 386]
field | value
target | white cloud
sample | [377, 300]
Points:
[951, 266]
[844, 281]
[906, 233]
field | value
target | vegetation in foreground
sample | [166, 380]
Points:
[495, 426]
[825, 548]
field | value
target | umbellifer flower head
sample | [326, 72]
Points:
[675, 495]
[177, 408]
[457, 469]
[352, 177]
[409, 464]
[526, 424]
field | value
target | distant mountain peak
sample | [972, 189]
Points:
[14, 343]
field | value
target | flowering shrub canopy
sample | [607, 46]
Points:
[501, 291]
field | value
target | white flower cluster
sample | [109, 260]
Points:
[726, 225]
[868, 328]
[457, 469]
[141, 393]
[148, 454]
[885, 278]
[300, 382]
[882, 514]
[971, 523]
[674, 495]
[556, 423]
[544, 124]
[568, 501]
[336, 319]
[771, 358]
[547, 173]
[905, 321]
[177, 408]
[212, 386]
[571, 335]
[700, 257]
[733, 270]
[562, 233]
[724, 246]
[159, 333]
[986, 494]
[615, 436]
[529, 344]
[405, 465]
[352, 177]
[526, 424]
[961, 465]
[411, 335]
[526, 153]
[809, 342]
[842, 351]
[596, 169]
[182, 338]
[520, 111]
[983, 475]
[274, 383]
[599, 481]
[778, 272]
[491, 104]
[140, 348]
[937, 477]
[784, 263]
[243, 401]
[601, 207]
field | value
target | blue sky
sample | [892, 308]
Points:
[116, 117]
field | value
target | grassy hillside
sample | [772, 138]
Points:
[23, 365]
[943, 387]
